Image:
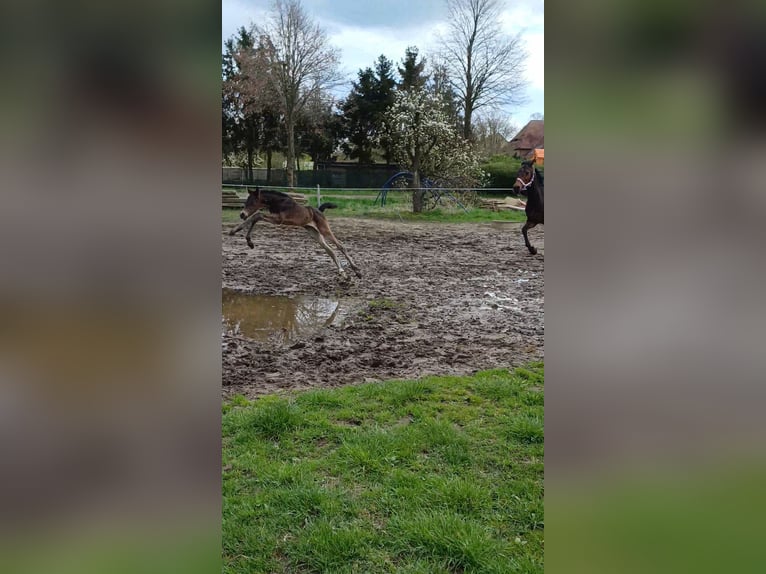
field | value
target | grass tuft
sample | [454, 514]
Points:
[272, 420]
[527, 429]
[324, 547]
[460, 543]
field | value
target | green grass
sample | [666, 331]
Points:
[398, 207]
[438, 475]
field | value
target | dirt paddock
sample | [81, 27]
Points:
[434, 299]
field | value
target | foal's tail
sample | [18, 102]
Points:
[327, 206]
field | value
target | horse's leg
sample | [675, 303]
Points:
[245, 223]
[327, 232]
[239, 227]
[314, 232]
[255, 219]
[527, 226]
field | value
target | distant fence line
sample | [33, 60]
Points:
[335, 176]
[347, 177]
[370, 190]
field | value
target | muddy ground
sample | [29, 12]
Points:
[434, 299]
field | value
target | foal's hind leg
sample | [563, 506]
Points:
[527, 226]
[327, 232]
[314, 232]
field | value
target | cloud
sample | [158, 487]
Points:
[535, 71]
[238, 13]
[365, 30]
[361, 47]
[528, 19]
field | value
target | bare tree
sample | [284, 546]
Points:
[302, 63]
[492, 132]
[252, 108]
[486, 66]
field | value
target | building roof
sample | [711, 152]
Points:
[529, 137]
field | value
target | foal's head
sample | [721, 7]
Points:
[254, 203]
[525, 177]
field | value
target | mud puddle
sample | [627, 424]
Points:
[275, 318]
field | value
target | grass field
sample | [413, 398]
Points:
[439, 475]
[399, 207]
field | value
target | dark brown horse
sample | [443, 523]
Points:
[529, 181]
[283, 210]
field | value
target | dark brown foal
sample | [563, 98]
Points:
[283, 210]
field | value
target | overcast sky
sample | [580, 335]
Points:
[364, 29]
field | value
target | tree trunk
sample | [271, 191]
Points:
[468, 102]
[290, 125]
[268, 165]
[417, 194]
[249, 162]
[467, 131]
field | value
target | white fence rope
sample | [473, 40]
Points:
[370, 189]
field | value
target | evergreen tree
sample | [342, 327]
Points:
[364, 109]
[318, 130]
[384, 71]
[439, 84]
[411, 71]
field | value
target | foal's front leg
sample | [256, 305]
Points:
[249, 223]
[242, 225]
[269, 218]
[252, 225]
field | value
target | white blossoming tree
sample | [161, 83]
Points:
[426, 143]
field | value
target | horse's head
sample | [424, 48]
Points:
[525, 177]
[252, 204]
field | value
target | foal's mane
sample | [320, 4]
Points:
[276, 199]
[275, 192]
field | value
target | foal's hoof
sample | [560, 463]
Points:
[250, 243]
[232, 231]
[358, 273]
[533, 250]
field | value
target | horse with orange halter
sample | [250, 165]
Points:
[529, 181]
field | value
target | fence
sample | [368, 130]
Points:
[234, 194]
[340, 176]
